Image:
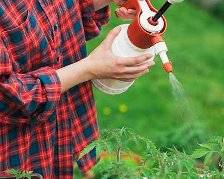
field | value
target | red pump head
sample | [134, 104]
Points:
[138, 35]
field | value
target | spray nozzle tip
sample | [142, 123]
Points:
[168, 67]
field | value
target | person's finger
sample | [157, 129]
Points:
[150, 62]
[132, 11]
[134, 61]
[111, 36]
[122, 9]
[125, 13]
[121, 12]
[135, 70]
[134, 76]
[130, 16]
[126, 80]
[138, 69]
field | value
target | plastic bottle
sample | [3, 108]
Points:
[140, 37]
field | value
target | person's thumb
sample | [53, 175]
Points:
[111, 36]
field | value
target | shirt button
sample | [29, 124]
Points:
[55, 27]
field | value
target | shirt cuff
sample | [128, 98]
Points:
[49, 79]
[52, 89]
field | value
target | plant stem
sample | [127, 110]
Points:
[119, 154]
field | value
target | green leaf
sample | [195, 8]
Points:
[198, 153]
[207, 146]
[19, 174]
[208, 158]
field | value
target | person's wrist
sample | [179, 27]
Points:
[89, 68]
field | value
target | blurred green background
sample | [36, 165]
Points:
[195, 39]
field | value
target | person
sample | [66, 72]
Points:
[47, 108]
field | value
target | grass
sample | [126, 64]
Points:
[195, 40]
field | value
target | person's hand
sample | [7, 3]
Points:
[102, 63]
[122, 12]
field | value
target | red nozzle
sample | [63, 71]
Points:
[168, 67]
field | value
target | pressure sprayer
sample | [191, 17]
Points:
[143, 35]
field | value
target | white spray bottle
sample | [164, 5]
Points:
[143, 35]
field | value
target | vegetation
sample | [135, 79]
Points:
[18, 174]
[119, 158]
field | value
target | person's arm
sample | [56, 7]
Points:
[74, 74]
[26, 97]
[101, 63]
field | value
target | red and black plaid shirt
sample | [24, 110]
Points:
[42, 130]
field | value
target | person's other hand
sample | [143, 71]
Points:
[102, 63]
[122, 12]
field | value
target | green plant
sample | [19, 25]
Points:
[19, 174]
[211, 154]
[151, 162]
